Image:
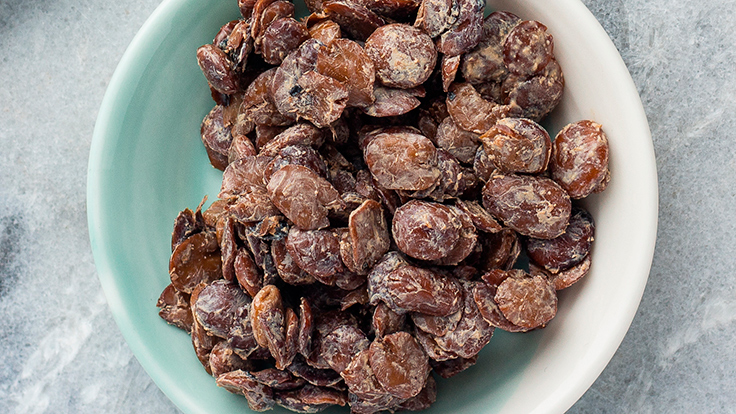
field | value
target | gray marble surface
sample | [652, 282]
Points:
[61, 352]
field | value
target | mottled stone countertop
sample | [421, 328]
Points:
[61, 351]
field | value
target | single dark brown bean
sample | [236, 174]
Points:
[402, 161]
[518, 145]
[217, 69]
[567, 249]
[404, 56]
[533, 206]
[580, 159]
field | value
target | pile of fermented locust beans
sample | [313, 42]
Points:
[383, 170]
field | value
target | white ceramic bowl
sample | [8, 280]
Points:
[147, 163]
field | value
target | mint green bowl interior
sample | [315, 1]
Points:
[147, 163]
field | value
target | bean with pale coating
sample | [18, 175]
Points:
[533, 206]
[425, 230]
[518, 145]
[580, 159]
[404, 56]
[567, 249]
[402, 161]
[303, 196]
[414, 289]
[399, 364]
[217, 68]
[529, 302]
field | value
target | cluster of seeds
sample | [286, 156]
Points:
[383, 170]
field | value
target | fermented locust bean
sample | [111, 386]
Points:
[218, 69]
[175, 308]
[347, 62]
[528, 301]
[533, 206]
[485, 62]
[472, 112]
[281, 37]
[216, 137]
[217, 306]
[354, 19]
[326, 31]
[393, 102]
[566, 250]
[259, 396]
[402, 160]
[303, 196]
[580, 159]
[437, 16]
[564, 278]
[317, 252]
[404, 56]
[426, 231]
[369, 236]
[223, 359]
[399, 364]
[395, 9]
[462, 144]
[414, 289]
[465, 33]
[518, 145]
[195, 260]
[299, 91]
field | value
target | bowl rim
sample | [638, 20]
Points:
[129, 69]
